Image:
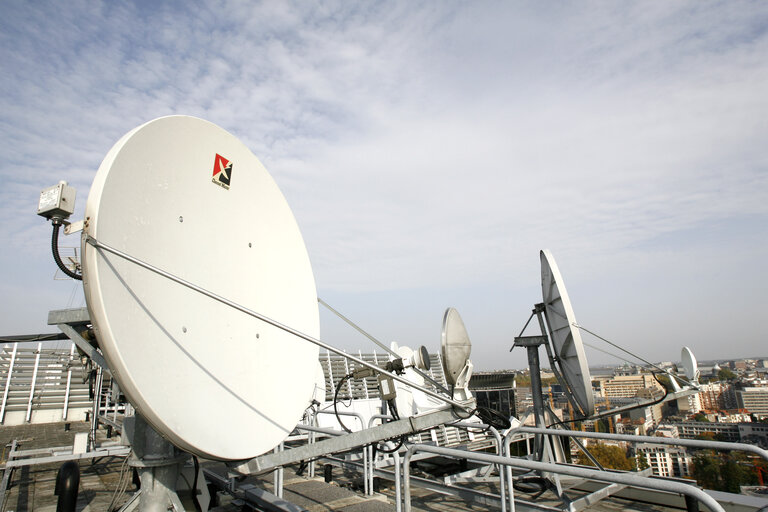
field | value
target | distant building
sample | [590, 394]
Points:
[665, 461]
[730, 400]
[624, 386]
[690, 404]
[754, 433]
[626, 426]
[523, 400]
[739, 366]
[692, 429]
[652, 413]
[711, 396]
[668, 431]
[495, 390]
[732, 416]
[754, 400]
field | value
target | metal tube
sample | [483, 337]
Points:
[69, 381]
[8, 382]
[693, 443]
[398, 481]
[373, 459]
[34, 380]
[96, 408]
[591, 474]
[345, 413]
[311, 440]
[538, 403]
[95, 243]
[367, 488]
[378, 417]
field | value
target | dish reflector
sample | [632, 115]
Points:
[690, 365]
[183, 195]
[455, 345]
[565, 338]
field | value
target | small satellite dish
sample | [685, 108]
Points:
[690, 366]
[455, 345]
[185, 196]
[565, 338]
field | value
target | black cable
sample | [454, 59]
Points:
[336, 401]
[666, 391]
[400, 440]
[393, 407]
[55, 250]
[399, 445]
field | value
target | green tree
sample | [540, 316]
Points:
[700, 417]
[609, 456]
[724, 471]
[726, 374]
[639, 462]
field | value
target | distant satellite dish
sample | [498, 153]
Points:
[565, 338]
[455, 345]
[690, 366]
[184, 195]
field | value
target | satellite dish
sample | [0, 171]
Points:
[185, 196]
[565, 338]
[690, 366]
[455, 345]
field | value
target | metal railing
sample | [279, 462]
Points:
[592, 474]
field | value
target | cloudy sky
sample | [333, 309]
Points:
[429, 150]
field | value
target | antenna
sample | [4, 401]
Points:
[564, 336]
[191, 199]
[690, 366]
[455, 348]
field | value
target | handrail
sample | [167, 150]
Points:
[359, 417]
[693, 443]
[592, 474]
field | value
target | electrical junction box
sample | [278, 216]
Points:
[57, 201]
[387, 387]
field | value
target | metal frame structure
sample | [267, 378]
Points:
[39, 379]
[592, 474]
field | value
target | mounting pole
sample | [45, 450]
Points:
[158, 463]
[532, 344]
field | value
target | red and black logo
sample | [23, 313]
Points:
[222, 171]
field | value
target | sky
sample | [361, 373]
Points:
[429, 150]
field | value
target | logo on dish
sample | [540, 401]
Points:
[222, 171]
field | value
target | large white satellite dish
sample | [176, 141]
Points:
[690, 365]
[565, 338]
[455, 345]
[183, 195]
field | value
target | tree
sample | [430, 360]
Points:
[724, 471]
[609, 456]
[726, 374]
[640, 462]
[700, 417]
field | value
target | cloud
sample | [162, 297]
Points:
[425, 147]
